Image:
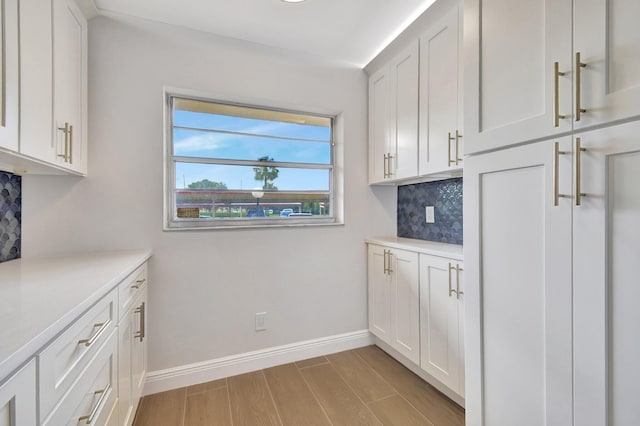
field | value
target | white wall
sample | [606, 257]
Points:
[207, 285]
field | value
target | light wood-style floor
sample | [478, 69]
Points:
[360, 387]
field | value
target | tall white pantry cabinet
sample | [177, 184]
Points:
[552, 212]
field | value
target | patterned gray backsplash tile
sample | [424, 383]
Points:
[445, 196]
[10, 216]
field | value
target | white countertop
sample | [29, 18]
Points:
[39, 298]
[451, 251]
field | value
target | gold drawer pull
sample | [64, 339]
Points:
[103, 326]
[139, 283]
[103, 397]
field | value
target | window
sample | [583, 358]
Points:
[239, 165]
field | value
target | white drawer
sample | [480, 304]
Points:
[93, 397]
[63, 360]
[129, 289]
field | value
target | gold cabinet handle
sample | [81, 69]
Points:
[458, 292]
[96, 408]
[103, 326]
[389, 173]
[458, 159]
[556, 174]
[449, 160]
[70, 144]
[139, 283]
[65, 130]
[556, 94]
[384, 265]
[142, 311]
[579, 66]
[385, 166]
[577, 168]
[451, 290]
[389, 270]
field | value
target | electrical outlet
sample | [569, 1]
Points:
[260, 321]
[430, 215]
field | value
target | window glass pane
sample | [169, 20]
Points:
[245, 142]
[238, 178]
[190, 143]
[220, 204]
[252, 126]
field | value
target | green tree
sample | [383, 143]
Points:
[266, 174]
[207, 184]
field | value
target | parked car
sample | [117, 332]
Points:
[286, 212]
[254, 213]
[301, 214]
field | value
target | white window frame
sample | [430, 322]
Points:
[336, 178]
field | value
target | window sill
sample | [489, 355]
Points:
[205, 226]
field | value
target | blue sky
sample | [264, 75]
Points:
[221, 145]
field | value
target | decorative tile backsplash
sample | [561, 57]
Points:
[445, 196]
[10, 216]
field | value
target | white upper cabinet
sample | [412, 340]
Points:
[440, 140]
[53, 90]
[379, 117]
[70, 85]
[534, 69]
[403, 162]
[511, 86]
[9, 75]
[393, 119]
[607, 38]
[36, 80]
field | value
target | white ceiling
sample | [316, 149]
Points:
[346, 30]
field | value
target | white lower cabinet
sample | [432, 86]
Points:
[415, 307]
[132, 358]
[91, 373]
[93, 397]
[18, 398]
[394, 314]
[442, 320]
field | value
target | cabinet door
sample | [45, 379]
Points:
[70, 84]
[606, 248]
[139, 348]
[440, 354]
[439, 97]
[606, 36]
[379, 117]
[125, 388]
[510, 49]
[379, 287]
[18, 398]
[405, 304]
[404, 114]
[36, 80]
[9, 75]
[518, 325]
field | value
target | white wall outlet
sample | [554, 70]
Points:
[260, 321]
[430, 214]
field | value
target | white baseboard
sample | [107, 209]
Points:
[201, 372]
